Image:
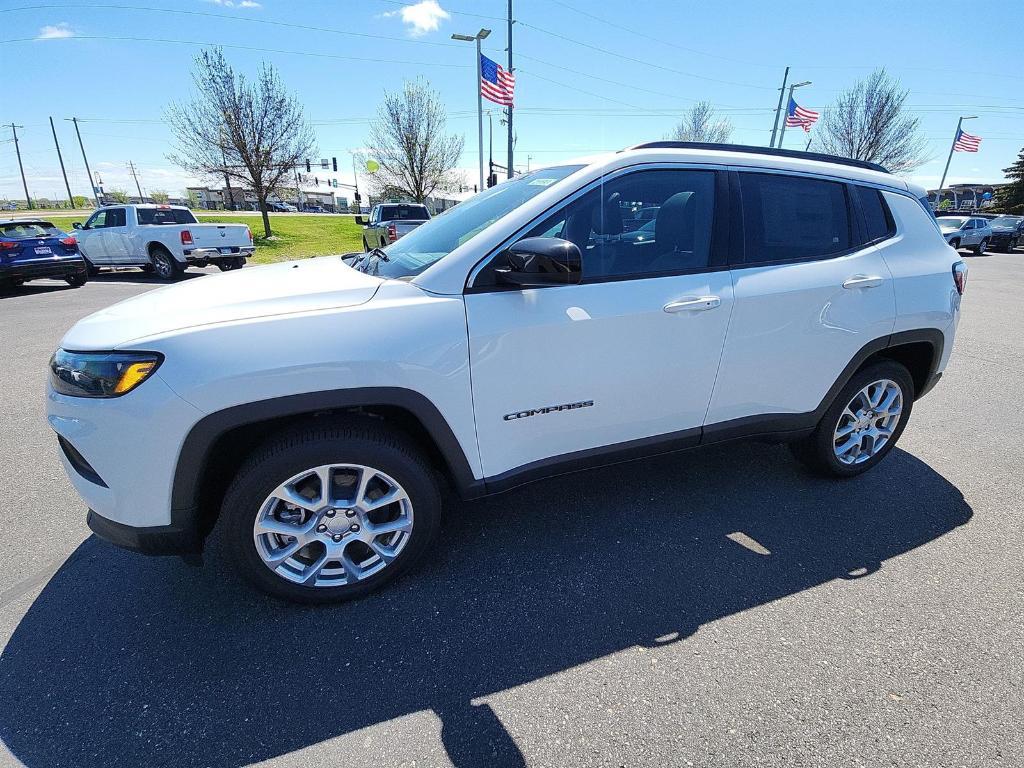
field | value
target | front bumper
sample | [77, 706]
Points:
[61, 267]
[120, 455]
[1003, 239]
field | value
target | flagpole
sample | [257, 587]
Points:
[942, 183]
[778, 109]
[480, 111]
[792, 88]
[511, 173]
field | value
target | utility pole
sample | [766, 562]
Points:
[17, 150]
[510, 71]
[481, 35]
[952, 146]
[778, 109]
[78, 133]
[490, 146]
[793, 87]
[131, 167]
[56, 143]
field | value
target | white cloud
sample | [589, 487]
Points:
[55, 31]
[425, 16]
[236, 3]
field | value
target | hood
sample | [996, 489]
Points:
[949, 227]
[275, 289]
[1004, 227]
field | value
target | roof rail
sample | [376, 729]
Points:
[774, 152]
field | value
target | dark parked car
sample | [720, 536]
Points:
[32, 248]
[1007, 232]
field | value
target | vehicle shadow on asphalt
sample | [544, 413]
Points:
[132, 277]
[127, 660]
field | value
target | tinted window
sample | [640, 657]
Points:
[116, 217]
[877, 221]
[164, 216]
[644, 223]
[98, 220]
[28, 229]
[403, 212]
[791, 217]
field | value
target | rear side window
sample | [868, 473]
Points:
[793, 218]
[164, 216]
[875, 217]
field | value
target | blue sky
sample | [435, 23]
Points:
[593, 75]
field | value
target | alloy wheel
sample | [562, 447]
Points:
[162, 265]
[867, 423]
[333, 525]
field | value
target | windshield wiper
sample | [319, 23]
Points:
[365, 260]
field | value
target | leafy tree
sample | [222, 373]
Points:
[253, 132]
[118, 195]
[159, 196]
[80, 201]
[700, 123]
[408, 141]
[870, 122]
[1011, 197]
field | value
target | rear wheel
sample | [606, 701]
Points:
[863, 423]
[981, 247]
[75, 281]
[164, 265]
[226, 265]
[330, 513]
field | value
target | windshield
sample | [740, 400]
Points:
[434, 240]
[952, 222]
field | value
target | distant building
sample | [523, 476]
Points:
[963, 197]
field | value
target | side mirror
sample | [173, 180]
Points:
[540, 261]
[77, 225]
[361, 221]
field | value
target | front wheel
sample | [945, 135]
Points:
[954, 244]
[164, 265]
[981, 247]
[330, 513]
[863, 423]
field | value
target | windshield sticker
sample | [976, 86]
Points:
[542, 182]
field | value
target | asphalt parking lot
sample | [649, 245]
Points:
[711, 608]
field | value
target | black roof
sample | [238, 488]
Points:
[772, 151]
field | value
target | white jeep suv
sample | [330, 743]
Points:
[314, 410]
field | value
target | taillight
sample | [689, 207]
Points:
[249, 232]
[7, 245]
[69, 242]
[186, 237]
[392, 232]
[960, 277]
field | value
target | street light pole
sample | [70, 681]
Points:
[510, 141]
[792, 88]
[952, 146]
[481, 35]
[778, 109]
[95, 193]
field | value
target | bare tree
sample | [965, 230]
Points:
[869, 122]
[700, 123]
[408, 141]
[252, 132]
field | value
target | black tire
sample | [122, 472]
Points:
[91, 269]
[817, 451]
[165, 266]
[981, 247]
[147, 268]
[227, 265]
[356, 441]
[76, 281]
[955, 243]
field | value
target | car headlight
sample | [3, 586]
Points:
[101, 374]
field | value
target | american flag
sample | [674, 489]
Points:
[496, 84]
[965, 142]
[800, 116]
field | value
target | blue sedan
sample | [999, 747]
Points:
[31, 249]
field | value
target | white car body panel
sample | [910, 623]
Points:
[604, 343]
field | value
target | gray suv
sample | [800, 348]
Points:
[966, 232]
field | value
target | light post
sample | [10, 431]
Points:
[792, 88]
[956, 135]
[481, 35]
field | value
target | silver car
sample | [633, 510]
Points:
[966, 232]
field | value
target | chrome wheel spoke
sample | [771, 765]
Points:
[395, 494]
[385, 553]
[288, 494]
[278, 556]
[312, 571]
[324, 474]
[392, 526]
[365, 476]
[868, 422]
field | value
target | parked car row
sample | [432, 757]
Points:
[981, 232]
[31, 249]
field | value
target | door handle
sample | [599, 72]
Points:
[863, 281]
[693, 304]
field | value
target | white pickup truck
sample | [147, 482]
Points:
[389, 221]
[161, 239]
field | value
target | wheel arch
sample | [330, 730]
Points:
[217, 445]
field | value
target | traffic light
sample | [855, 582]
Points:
[308, 168]
[334, 164]
[492, 180]
[316, 180]
[359, 198]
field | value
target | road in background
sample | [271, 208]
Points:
[719, 607]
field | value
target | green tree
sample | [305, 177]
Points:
[118, 195]
[1011, 197]
[159, 196]
[81, 201]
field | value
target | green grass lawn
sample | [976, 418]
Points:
[295, 237]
